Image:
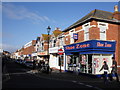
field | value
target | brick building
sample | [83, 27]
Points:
[98, 27]
[28, 49]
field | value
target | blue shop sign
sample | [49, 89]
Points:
[75, 36]
[92, 46]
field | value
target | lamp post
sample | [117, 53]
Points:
[48, 31]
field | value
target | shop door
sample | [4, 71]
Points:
[76, 65]
[89, 63]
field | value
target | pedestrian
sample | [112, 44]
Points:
[39, 66]
[34, 64]
[106, 69]
[114, 70]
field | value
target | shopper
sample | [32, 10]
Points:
[114, 70]
[34, 64]
[106, 69]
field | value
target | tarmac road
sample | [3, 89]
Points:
[17, 77]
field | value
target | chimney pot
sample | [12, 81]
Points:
[116, 14]
[116, 8]
[57, 28]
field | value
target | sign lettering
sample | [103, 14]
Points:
[103, 45]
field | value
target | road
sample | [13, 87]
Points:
[16, 77]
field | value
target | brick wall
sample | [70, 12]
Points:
[67, 40]
[45, 46]
[30, 49]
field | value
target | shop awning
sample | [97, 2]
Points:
[91, 47]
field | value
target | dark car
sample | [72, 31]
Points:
[29, 64]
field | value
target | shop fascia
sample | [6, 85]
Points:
[34, 54]
[55, 49]
[97, 46]
[42, 53]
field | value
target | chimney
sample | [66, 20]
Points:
[57, 28]
[116, 8]
[116, 14]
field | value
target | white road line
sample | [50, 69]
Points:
[88, 85]
[74, 81]
[81, 83]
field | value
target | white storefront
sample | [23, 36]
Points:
[55, 59]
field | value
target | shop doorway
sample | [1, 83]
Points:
[90, 63]
[73, 63]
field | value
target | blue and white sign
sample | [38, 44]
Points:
[75, 36]
[92, 46]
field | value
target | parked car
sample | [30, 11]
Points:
[18, 60]
[29, 64]
[23, 62]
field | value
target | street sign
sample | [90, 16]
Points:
[60, 52]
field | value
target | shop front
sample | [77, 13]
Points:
[43, 55]
[55, 59]
[88, 56]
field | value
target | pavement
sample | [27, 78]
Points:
[83, 79]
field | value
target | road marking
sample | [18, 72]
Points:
[7, 77]
[81, 83]
[69, 81]
[88, 85]
[74, 81]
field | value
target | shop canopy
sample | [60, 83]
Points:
[91, 47]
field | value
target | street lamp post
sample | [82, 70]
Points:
[48, 31]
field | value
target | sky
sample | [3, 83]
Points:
[25, 21]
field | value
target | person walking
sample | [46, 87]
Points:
[39, 66]
[114, 70]
[34, 64]
[106, 69]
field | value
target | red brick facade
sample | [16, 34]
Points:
[30, 49]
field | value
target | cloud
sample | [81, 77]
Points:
[20, 13]
[8, 47]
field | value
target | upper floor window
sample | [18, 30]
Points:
[61, 40]
[42, 46]
[86, 31]
[71, 35]
[54, 43]
[103, 27]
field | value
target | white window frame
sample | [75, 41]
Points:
[71, 35]
[103, 27]
[86, 27]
